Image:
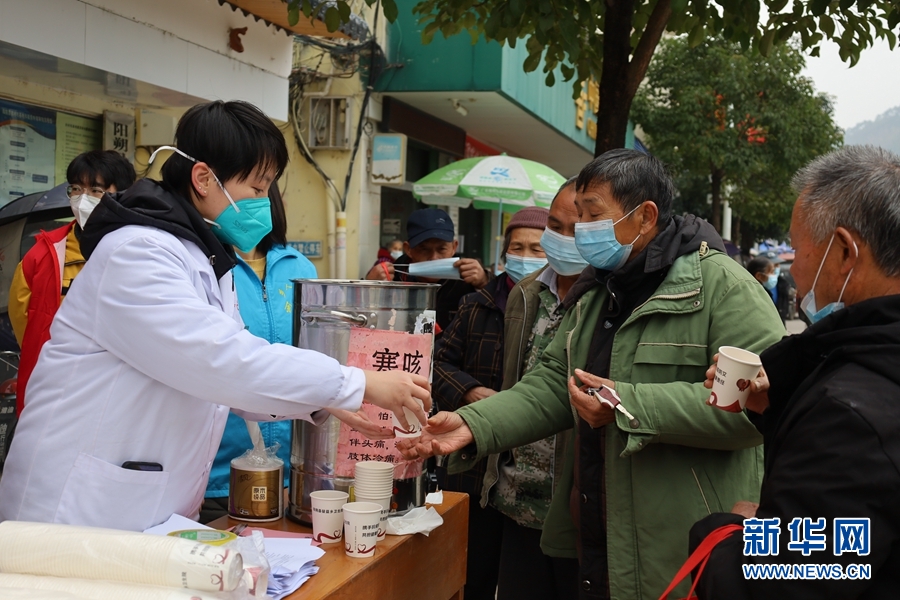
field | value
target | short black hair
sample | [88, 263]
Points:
[278, 235]
[760, 264]
[102, 168]
[635, 177]
[233, 138]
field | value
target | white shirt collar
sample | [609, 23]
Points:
[549, 278]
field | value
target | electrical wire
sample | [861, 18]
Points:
[373, 45]
[295, 119]
[301, 77]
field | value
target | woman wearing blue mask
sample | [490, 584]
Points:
[148, 354]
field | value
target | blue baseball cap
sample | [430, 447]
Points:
[427, 224]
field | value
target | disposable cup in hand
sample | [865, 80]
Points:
[735, 370]
[415, 428]
[328, 515]
[385, 503]
[361, 523]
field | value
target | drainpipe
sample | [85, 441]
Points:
[331, 220]
[340, 244]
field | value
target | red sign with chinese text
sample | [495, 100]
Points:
[380, 350]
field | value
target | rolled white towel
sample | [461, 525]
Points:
[108, 554]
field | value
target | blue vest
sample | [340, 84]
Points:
[267, 311]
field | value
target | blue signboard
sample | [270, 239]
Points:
[308, 248]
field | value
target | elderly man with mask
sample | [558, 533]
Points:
[520, 483]
[828, 399]
[642, 324]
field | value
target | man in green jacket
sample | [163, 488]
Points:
[660, 298]
[520, 484]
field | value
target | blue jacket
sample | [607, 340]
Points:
[267, 311]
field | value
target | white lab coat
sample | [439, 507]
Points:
[146, 355]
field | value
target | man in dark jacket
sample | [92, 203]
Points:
[829, 403]
[468, 367]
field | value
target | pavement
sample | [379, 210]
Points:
[795, 326]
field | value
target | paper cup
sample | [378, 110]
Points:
[385, 504]
[372, 468]
[328, 515]
[735, 370]
[373, 491]
[361, 523]
[415, 428]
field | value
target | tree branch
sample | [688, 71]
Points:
[653, 31]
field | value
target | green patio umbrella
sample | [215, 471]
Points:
[491, 183]
[503, 183]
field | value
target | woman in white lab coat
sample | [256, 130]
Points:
[130, 396]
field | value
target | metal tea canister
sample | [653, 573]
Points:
[256, 492]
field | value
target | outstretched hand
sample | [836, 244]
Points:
[396, 390]
[446, 432]
[758, 400]
[361, 422]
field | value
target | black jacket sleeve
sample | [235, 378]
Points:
[450, 381]
[828, 461]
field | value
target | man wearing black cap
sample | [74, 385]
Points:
[431, 237]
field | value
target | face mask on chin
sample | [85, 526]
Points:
[808, 304]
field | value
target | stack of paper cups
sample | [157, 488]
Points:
[374, 483]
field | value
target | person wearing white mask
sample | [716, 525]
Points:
[659, 298]
[468, 367]
[39, 286]
[519, 483]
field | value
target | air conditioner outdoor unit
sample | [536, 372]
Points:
[329, 123]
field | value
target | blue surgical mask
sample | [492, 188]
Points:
[562, 253]
[244, 223]
[597, 243]
[520, 267]
[441, 268]
[808, 304]
[771, 282]
[395, 254]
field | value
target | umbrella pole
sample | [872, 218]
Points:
[498, 237]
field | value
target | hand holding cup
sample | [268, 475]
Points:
[737, 381]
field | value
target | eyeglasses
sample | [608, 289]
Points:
[77, 190]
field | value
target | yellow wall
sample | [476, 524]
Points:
[305, 191]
